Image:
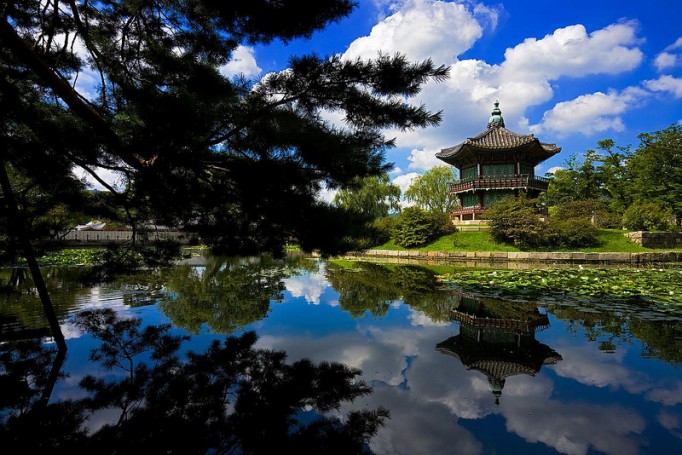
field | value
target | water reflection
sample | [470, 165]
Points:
[232, 398]
[372, 288]
[227, 293]
[497, 338]
[617, 389]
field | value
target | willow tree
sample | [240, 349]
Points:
[431, 191]
[237, 161]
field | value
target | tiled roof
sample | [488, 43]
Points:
[497, 138]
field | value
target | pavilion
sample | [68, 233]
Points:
[494, 164]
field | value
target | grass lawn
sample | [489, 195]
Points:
[611, 241]
[459, 241]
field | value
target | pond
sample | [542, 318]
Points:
[313, 356]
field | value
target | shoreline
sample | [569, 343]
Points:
[518, 259]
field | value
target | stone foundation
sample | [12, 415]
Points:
[656, 239]
[522, 259]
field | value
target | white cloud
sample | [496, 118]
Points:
[424, 159]
[421, 29]
[665, 60]
[552, 170]
[309, 286]
[668, 84]
[404, 181]
[570, 51]
[243, 62]
[592, 113]
[112, 178]
[522, 80]
[668, 396]
[421, 319]
[676, 45]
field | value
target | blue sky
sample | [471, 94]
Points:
[571, 72]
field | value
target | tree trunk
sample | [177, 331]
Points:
[17, 230]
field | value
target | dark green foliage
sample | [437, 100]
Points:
[595, 211]
[578, 181]
[375, 197]
[416, 227]
[382, 229]
[571, 232]
[657, 169]
[647, 216]
[619, 177]
[236, 162]
[517, 221]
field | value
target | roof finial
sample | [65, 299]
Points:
[496, 116]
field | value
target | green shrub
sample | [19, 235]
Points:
[373, 233]
[416, 227]
[577, 232]
[647, 216]
[382, 228]
[593, 210]
[515, 220]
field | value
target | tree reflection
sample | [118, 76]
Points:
[660, 338]
[229, 293]
[367, 287]
[232, 398]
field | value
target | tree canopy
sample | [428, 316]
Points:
[239, 162]
[649, 176]
[431, 191]
[372, 197]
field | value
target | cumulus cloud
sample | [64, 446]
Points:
[423, 159]
[243, 62]
[552, 170]
[592, 113]
[600, 370]
[309, 286]
[522, 80]
[421, 29]
[404, 181]
[421, 319]
[669, 84]
[670, 57]
[564, 427]
[668, 396]
[665, 60]
[570, 51]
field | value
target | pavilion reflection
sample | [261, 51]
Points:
[497, 338]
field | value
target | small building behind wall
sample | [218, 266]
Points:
[494, 164]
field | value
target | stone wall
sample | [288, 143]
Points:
[101, 237]
[517, 259]
[656, 239]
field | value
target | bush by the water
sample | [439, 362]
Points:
[595, 211]
[516, 221]
[647, 216]
[416, 227]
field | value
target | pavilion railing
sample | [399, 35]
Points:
[468, 211]
[500, 182]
